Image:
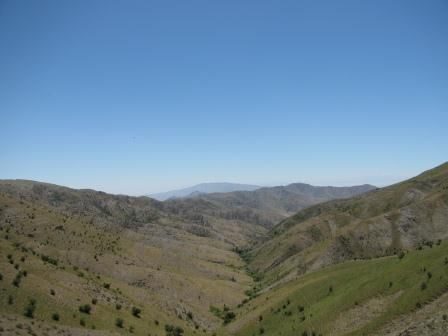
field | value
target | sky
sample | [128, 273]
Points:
[137, 97]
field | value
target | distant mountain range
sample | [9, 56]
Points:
[203, 188]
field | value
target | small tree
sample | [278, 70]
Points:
[55, 316]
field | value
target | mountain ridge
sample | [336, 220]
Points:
[205, 188]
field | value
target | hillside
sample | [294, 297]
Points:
[378, 223]
[389, 296]
[64, 248]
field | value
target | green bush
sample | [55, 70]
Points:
[173, 330]
[119, 322]
[86, 308]
[55, 316]
[136, 311]
[30, 308]
[229, 317]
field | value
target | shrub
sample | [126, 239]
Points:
[261, 330]
[49, 260]
[94, 301]
[136, 311]
[190, 315]
[82, 322]
[1, 276]
[119, 322]
[52, 292]
[228, 317]
[118, 306]
[30, 308]
[17, 279]
[86, 308]
[10, 300]
[401, 255]
[106, 285]
[173, 331]
[423, 286]
[55, 316]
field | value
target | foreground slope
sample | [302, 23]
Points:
[395, 295]
[378, 223]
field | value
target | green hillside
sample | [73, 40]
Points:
[352, 298]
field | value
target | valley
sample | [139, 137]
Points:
[293, 260]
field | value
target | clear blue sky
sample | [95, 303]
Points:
[144, 96]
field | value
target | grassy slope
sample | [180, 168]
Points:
[361, 299]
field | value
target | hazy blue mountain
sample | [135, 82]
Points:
[204, 188]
